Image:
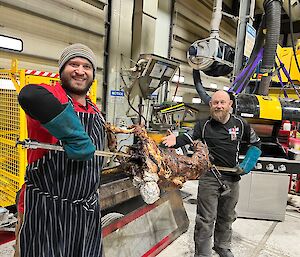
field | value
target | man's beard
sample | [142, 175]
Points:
[219, 115]
[67, 85]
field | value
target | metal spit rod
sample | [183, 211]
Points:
[32, 144]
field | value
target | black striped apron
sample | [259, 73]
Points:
[62, 212]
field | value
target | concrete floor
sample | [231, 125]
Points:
[251, 237]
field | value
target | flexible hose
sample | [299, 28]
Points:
[199, 87]
[273, 13]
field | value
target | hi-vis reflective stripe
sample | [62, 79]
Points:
[42, 73]
[269, 107]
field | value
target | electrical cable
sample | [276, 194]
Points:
[128, 97]
[177, 84]
[148, 107]
[292, 35]
[286, 73]
[277, 69]
[256, 80]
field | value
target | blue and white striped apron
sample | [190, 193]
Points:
[62, 212]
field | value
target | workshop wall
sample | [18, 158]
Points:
[46, 27]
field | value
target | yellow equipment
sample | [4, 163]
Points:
[286, 56]
[13, 127]
[157, 136]
[266, 107]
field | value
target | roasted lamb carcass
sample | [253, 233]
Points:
[152, 166]
[180, 168]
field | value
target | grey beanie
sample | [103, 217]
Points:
[77, 50]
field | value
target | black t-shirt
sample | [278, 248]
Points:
[223, 140]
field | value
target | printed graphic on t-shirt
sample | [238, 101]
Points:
[233, 132]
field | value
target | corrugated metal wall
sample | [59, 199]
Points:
[191, 22]
[47, 27]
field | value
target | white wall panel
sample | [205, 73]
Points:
[119, 55]
[47, 27]
[22, 21]
[56, 10]
[181, 45]
[191, 26]
[162, 28]
[197, 13]
[185, 34]
[179, 53]
[47, 48]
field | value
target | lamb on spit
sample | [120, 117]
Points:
[152, 166]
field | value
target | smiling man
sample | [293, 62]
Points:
[77, 72]
[223, 133]
[58, 205]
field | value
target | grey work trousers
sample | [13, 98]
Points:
[215, 215]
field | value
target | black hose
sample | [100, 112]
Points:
[199, 87]
[273, 15]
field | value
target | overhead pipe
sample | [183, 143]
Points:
[216, 69]
[272, 23]
[216, 19]
[273, 14]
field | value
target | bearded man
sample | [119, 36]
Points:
[58, 210]
[223, 133]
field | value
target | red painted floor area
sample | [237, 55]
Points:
[6, 236]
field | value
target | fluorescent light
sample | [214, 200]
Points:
[11, 43]
[196, 100]
[225, 88]
[213, 85]
[178, 99]
[176, 78]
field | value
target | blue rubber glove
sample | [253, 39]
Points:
[249, 161]
[67, 127]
